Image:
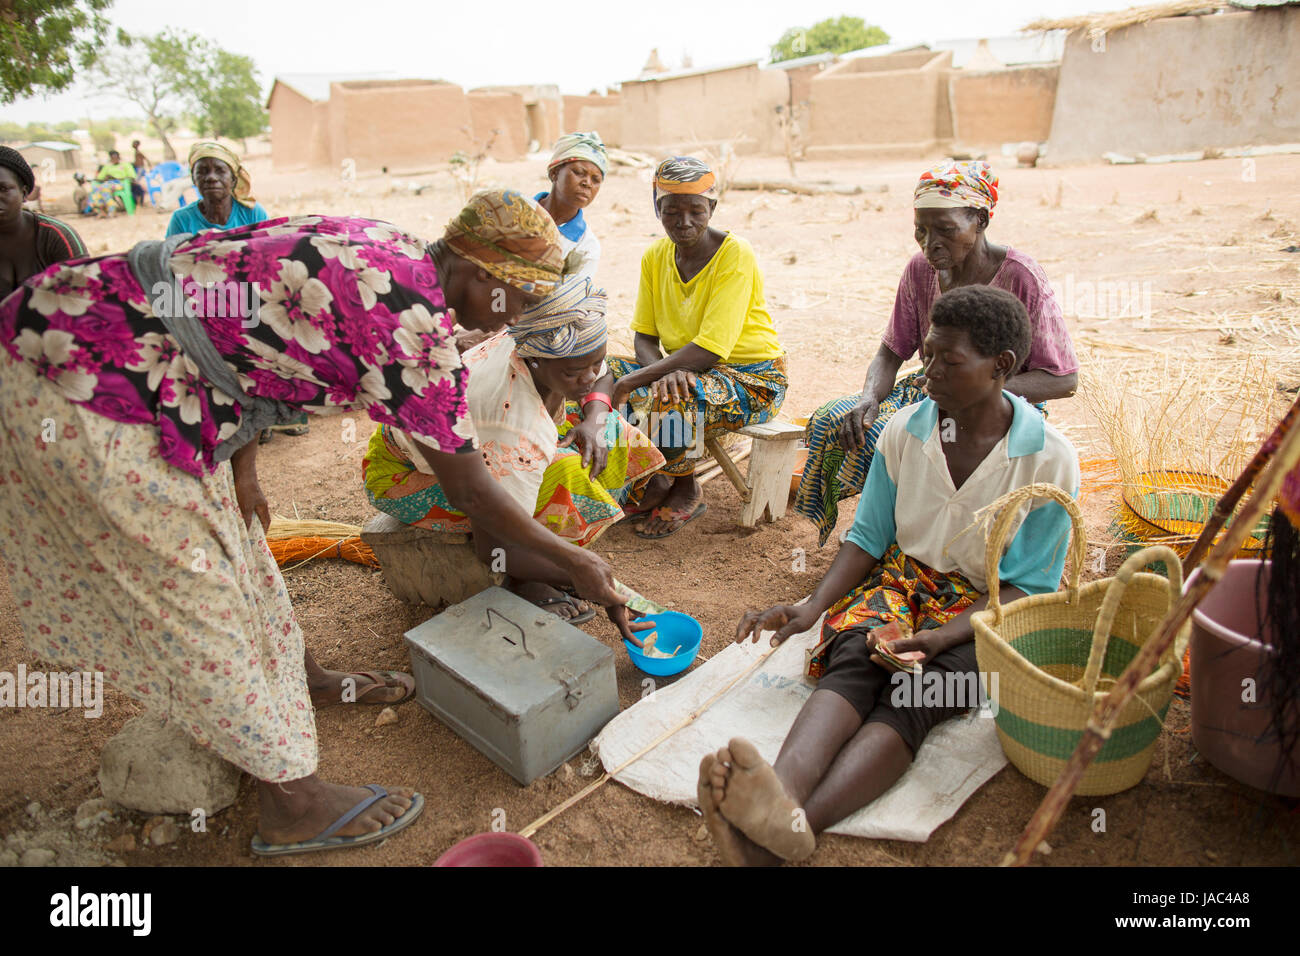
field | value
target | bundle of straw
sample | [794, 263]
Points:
[1177, 431]
[294, 542]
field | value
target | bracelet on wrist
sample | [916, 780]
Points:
[598, 397]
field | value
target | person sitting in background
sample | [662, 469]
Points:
[225, 193]
[81, 194]
[539, 400]
[912, 559]
[953, 204]
[700, 301]
[119, 175]
[577, 169]
[29, 241]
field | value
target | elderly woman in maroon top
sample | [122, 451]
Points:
[953, 205]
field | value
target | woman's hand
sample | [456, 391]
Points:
[677, 385]
[622, 619]
[248, 493]
[928, 644]
[853, 430]
[588, 437]
[785, 619]
[622, 391]
[592, 577]
[468, 338]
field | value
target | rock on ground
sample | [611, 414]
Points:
[37, 856]
[93, 812]
[156, 768]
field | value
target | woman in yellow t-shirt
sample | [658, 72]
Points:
[707, 357]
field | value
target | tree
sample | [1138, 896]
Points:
[176, 71]
[833, 35]
[148, 71]
[45, 43]
[227, 96]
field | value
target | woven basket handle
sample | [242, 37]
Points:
[1008, 506]
[1115, 594]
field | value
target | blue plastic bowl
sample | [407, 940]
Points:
[673, 628]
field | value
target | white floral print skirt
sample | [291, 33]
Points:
[121, 563]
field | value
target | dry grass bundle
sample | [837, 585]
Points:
[282, 527]
[1180, 431]
[294, 542]
[1097, 24]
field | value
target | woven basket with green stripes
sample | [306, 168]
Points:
[1056, 655]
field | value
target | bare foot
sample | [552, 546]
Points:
[301, 809]
[725, 837]
[753, 798]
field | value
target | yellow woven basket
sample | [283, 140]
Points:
[1056, 654]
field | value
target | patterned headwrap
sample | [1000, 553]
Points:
[243, 184]
[570, 321]
[954, 185]
[683, 174]
[572, 146]
[13, 160]
[511, 237]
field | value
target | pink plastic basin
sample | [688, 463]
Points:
[492, 849]
[1227, 651]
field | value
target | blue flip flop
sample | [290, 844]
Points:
[325, 840]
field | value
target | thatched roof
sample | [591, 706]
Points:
[1095, 23]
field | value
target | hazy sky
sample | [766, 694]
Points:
[577, 44]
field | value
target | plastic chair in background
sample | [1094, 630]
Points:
[160, 174]
[126, 197]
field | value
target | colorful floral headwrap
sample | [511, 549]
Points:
[570, 321]
[511, 237]
[575, 146]
[243, 183]
[954, 185]
[683, 175]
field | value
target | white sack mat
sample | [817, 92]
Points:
[957, 758]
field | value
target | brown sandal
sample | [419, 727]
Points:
[383, 680]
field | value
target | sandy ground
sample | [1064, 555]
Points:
[1206, 238]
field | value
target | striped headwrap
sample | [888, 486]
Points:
[243, 182]
[683, 174]
[511, 237]
[570, 321]
[954, 185]
[574, 146]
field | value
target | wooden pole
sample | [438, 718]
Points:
[1225, 506]
[1107, 709]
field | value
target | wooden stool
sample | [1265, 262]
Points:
[426, 567]
[766, 490]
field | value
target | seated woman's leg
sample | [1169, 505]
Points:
[882, 750]
[728, 397]
[832, 474]
[753, 808]
[579, 507]
[755, 812]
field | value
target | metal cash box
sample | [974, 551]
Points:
[527, 689]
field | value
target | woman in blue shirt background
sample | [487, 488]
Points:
[225, 190]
